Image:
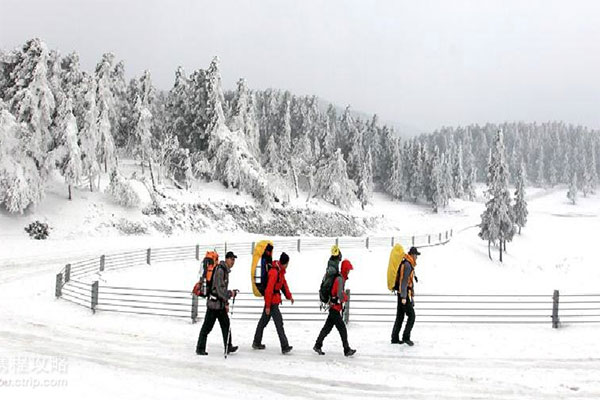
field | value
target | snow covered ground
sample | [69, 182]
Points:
[48, 342]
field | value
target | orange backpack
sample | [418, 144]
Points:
[203, 286]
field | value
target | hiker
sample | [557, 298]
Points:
[405, 298]
[275, 285]
[217, 306]
[338, 298]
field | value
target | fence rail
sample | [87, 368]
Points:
[78, 283]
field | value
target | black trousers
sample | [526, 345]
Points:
[209, 322]
[333, 319]
[403, 309]
[264, 321]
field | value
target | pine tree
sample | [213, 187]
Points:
[32, 101]
[68, 154]
[21, 184]
[365, 182]
[333, 184]
[271, 155]
[144, 136]
[458, 173]
[243, 116]
[572, 193]
[497, 220]
[395, 184]
[436, 189]
[520, 208]
[89, 135]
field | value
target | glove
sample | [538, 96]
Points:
[227, 308]
[292, 301]
[403, 301]
[268, 311]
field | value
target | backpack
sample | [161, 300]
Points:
[209, 263]
[331, 273]
[262, 258]
[396, 257]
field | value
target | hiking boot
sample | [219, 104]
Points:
[318, 350]
[287, 349]
[397, 341]
[349, 352]
[258, 346]
[409, 342]
[232, 349]
[201, 352]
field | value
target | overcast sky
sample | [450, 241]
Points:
[420, 63]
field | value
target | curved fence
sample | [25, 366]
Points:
[80, 283]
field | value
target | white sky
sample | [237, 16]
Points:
[420, 63]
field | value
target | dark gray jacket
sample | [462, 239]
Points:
[219, 294]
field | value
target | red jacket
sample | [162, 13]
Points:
[337, 290]
[276, 282]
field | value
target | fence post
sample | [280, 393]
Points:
[102, 263]
[428, 239]
[197, 252]
[440, 240]
[58, 290]
[298, 245]
[67, 273]
[555, 320]
[252, 249]
[367, 243]
[451, 232]
[148, 256]
[446, 235]
[94, 296]
[194, 308]
[226, 247]
[392, 241]
[347, 307]
[413, 241]
[337, 241]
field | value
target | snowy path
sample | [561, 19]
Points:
[158, 360]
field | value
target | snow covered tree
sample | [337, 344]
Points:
[572, 192]
[89, 134]
[271, 156]
[21, 185]
[395, 185]
[497, 220]
[121, 191]
[333, 184]
[68, 155]
[458, 173]
[365, 181]
[243, 116]
[107, 114]
[144, 136]
[438, 182]
[520, 208]
[32, 101]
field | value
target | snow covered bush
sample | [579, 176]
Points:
[121, 191]
[131, 227]
[38, 230]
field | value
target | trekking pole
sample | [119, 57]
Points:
[229, 331]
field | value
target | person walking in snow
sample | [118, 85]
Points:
[405, 298]
[276, 283]
[217, 306]
[338, 298]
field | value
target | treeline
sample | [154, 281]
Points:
[271, 144]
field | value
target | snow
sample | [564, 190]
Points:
[119, 355]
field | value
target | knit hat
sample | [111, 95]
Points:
[284, 258]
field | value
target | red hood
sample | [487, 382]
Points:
[346, 267]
